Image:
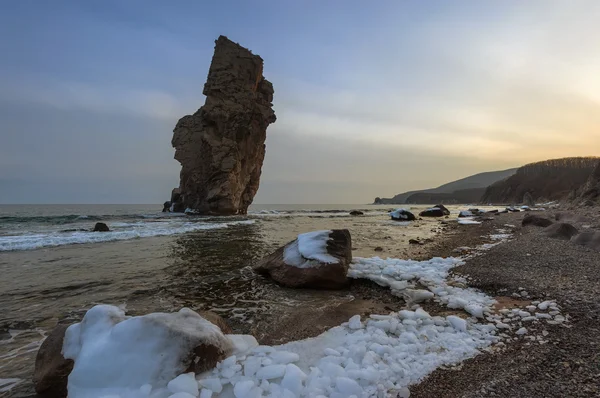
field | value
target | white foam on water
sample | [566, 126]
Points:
[131, 231]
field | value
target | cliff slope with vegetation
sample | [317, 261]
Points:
[465, 190]
[556, 179]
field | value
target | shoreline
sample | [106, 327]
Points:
[364, 297]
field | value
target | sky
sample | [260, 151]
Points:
[372, 98]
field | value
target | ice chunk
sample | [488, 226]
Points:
[284, 357]
[457, 323]
[184, 383]
[271, 372]
[293, 379]
[521, 331]
[354, 322]
[242, 388]
[348, 387]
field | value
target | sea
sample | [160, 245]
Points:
[53, 268]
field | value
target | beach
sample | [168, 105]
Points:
[210, 270]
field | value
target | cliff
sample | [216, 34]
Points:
[221, 147]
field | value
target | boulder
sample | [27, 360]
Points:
[512, 209]
[356, 213]
[560, 231]
[589, 239]
[127, 352]
[537, 221]
[221, 147]
[495, 211]
[432, 212]
[166, 206]
[466, 213]
[52, 370]
[402, 215]
[317, 259]
[414, 242]
[216, 320]
[444, 210]
[101, 227]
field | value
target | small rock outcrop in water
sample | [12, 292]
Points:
[166, 206]
[221, 147]
[436, 211]
[101, 227]
[402, 215]
[51, 368]
[314, 260]
[528, 200]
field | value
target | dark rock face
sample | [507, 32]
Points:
[588, 239]
[101, 227]
[591, 190]
[432, 212]
[320, 275]
[537, 221]
[221, 147]
[561, 231]
[166, 206]
[51, 368]
[444, 210]
[528, 200]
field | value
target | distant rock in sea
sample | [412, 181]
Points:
[221, 147]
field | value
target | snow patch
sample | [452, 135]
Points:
[309, 250]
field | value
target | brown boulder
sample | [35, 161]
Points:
[221, 147]
[299, 265]
[560, 231]
[432, 212]
[216, 320]
[589, 239]
[51, 368]
[537, 221]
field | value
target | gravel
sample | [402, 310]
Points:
[568, 365]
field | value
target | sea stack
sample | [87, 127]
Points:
[221, 147]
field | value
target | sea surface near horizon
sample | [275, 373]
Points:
[54, 269]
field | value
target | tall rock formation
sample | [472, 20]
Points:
[221, 147]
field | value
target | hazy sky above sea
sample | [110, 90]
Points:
[372, 98]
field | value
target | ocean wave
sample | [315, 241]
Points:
[313, 213]
[77, 218]
[40, 240]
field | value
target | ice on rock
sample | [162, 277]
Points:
[184, 383]
[309, 250]
[544, 305]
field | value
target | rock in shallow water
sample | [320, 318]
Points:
[51, 368]
[317, 259]
[101, 227]
[221, 147]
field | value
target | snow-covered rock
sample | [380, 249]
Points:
[316, 259]
[119, 355]
[402, 215]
